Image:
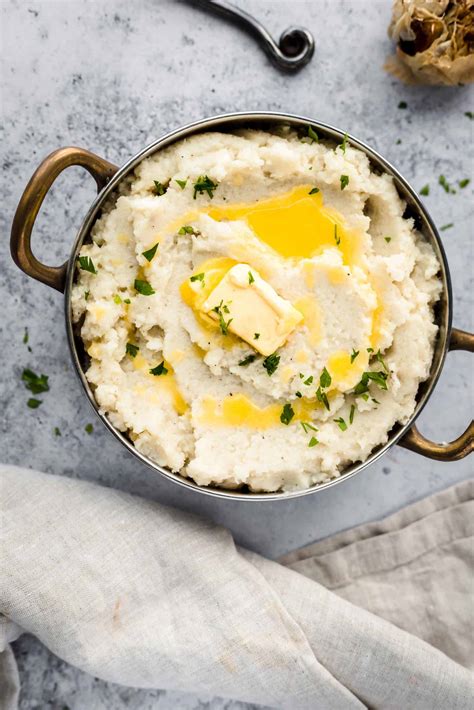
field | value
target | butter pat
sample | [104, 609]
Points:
[250, 308]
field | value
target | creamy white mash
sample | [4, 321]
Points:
[256, 309]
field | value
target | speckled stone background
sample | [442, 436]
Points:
[113, 76]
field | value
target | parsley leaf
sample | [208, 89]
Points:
[446, 226]
[425, 191]
[341, 423]
[271, 363]
[131, 349]
[354, 354]
[469, 114]
[464, 183]
[314, 191]
[186, 229]
[117, 299]
[403, 104]
[86, 264]
[25, 336]
[325, 378]
[57, 431]
[182, 183]
[308, 380]
[336, 236]
[313, 135]
[89, 428]
[298, 394]
[313, 441]
[35, 383]
[344, 181]
[256, 336]
[159, 369]
[33, 403]
[388, 239]
[307, 425]
[127, 301]
[198, 277]
[150, 253]
[445, 185]
[223, 324]
[204, 184]
[86, 295]
[343, 145]
[352, 412]
[247, 360]
[251, 278]
[287, 414]
[378, 356]
[380, 379]
[159, 188]
[144, 287]
[322, 397]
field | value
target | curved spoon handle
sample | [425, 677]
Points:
[296, 45]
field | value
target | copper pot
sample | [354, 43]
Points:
[107, 177]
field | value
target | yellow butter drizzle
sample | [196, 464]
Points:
[240, 411]
[162, 384]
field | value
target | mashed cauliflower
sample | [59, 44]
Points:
[221, 246]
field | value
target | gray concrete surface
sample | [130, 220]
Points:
[113, 76]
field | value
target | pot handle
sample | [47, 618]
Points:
[464, 444]
[32, 199]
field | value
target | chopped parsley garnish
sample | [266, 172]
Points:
[89, 428]
[57, 431]
[159, 369]
[445, 185]
[370, 350]
[336, 236]
[306, 426]
[425, 191]
[313, 441]
[322, 397]
[463, 183]
[150, 253]
[343, 145]
[313, 135]
[398, 141]
[86, 264]
[25, 336]
[186, 229]
[223, 324]
[354, 354]
[388, 239]
[159, 188]
[341, 423]
[378, 356]
[271, 363]
[325, 378]
[198, 277]
[33, 403]
[446, 226]
[247, 360]
[344, 181]
[182, 183]
[204, 184]
[251, 278]
[298, 394]
[403, 104]
[127, 301]
[86, 295]
[117, 299]
[351, 414]
[380, 379]
[308, 380]
[287, 414]
[314, 191]
[469, 114]
[131, 349]
[144, 287]
[256, 336]
[35, 383]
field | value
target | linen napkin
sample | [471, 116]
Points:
[150, 597]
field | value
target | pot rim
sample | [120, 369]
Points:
[228, 121]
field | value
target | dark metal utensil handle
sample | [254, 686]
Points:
[296, 46]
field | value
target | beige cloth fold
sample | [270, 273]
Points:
[147, 596]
